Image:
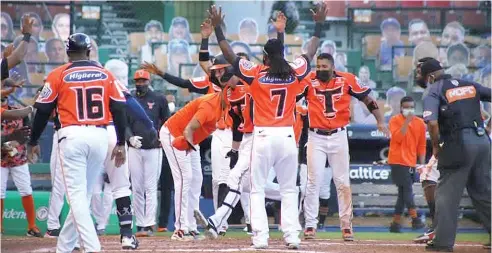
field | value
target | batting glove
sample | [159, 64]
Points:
[135, 141]
[180, 143]
[233, 155]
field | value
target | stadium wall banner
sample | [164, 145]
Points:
[14, 217]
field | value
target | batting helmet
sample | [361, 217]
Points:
[78, 42]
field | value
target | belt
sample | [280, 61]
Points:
[326, 132]
[98, 126]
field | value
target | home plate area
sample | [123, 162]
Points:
[164, 244]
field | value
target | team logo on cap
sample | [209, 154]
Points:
[151, 105]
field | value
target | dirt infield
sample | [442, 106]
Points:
[164, 244]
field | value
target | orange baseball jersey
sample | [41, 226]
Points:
[274, 99]
[2, 110]
[243, 108]
[203, 85]
[206, 109]
[82, 92]
[232, 96]
[300, 111]
[329, 102]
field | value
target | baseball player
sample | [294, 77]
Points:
[328, 95]
[14, 162]
[85, 95]
[180, 136]
[145, 154]
[102, 205]
[273, 87]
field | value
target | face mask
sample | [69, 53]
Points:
[142, 89]
[407, 112]
[323, 75]
[172, 107]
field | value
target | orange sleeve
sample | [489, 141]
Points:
[422, 145]
[394, 127]
[2, 110]
[200, 82]
[50, 89]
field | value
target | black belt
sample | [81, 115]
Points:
[326, 132]
[98, 126]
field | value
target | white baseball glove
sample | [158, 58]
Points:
[135, 141]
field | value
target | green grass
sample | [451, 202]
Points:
[384, 236]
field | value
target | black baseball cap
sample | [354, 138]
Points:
[219, 62]
[429, 66]
[274, 47]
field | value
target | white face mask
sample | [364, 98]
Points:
[171, 106]
[406, 112]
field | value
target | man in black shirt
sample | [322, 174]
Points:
[145, 154]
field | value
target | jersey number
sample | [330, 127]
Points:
[330, 97]
[89, 103]
[281, 94]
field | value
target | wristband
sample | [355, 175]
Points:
[204, 44]
[219, 34]
[372, 106]
[203, 56]
[27, 37]
[317, 30]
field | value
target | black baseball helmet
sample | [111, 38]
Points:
[79, 42]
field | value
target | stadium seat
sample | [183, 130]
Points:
[233, 37]
[137, 40]
[42, 57]
[194, 58]
[412, 4]
[402, 68]
[196, 37]
[387, 4]
[263, 38]
[292, 39]
[404, 39]
[337, 10]
[474, 40]
[359, 4]
[470, 4]
[47, 34]
[371, 44]
[438, 4]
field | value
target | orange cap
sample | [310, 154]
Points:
[141, 74]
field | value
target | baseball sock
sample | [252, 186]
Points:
[125, 217]
[323, 210]
[397, 218]
[28, 204]
[429, 191]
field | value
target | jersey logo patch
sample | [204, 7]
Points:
[247, 65]
[272, 80]
[85, 76]
[460, 93]
[199, 79]
[427, 114]
[45, 92]
[151, 105]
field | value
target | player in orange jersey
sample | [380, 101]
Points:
[180, 137]
[85, 96]
[328, 95]
[274, 87]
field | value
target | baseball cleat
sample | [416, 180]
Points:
[145, 232]
[129, 242]
[196, 235]
[425, 237]
[179, 235]
[52, 233]
[161, 229]
[293, 245]
[248, 229]
[259, 246]
[487, 246]
[34, 232]
[310, 233]
[347, 235]
[200, 218]
[211, 231]
[395, 227]
[100, 232]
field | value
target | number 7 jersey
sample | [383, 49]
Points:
[82, 92]
[274, 100]
[329, 102]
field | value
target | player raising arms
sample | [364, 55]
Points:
[274, 86]
[85, 96]
[328, 96]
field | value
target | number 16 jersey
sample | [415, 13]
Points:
[329, 102]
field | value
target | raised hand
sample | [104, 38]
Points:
[151, 68]
[320, 14]
[27, 23]
[206, 28]
[280, 22]
[215, 15]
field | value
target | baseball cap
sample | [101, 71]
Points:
[390, 21]
[274, 47]
[219, 62]
[429, 66]
[141, 74]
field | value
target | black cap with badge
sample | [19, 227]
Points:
[429, 66]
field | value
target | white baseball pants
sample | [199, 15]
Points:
[81, 151]
[221, 144]
[145, 169]
[188, 178]
[334, 148]
[57, 189]
[102, 202]
[20, 176]
[274, 147]
[119, 178]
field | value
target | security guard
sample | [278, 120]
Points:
[459, 141]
